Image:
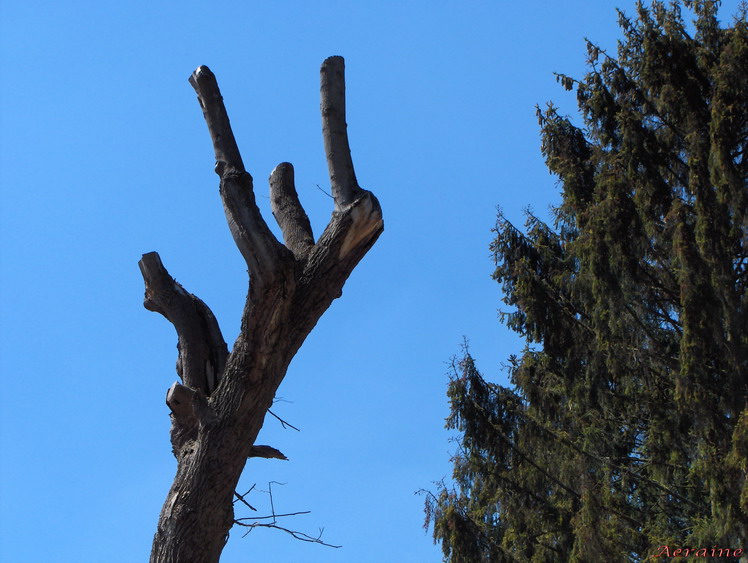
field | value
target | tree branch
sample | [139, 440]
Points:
[288, 212]
[297, 535]
[268, 452]
[345, 188]
[202, 350]
[271, 516]
[255, 523]
[227, 152]
[283, 422]
[243, 500]
[262, 252]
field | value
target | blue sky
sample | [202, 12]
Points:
[105, 156]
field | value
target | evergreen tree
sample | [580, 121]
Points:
[626, 427]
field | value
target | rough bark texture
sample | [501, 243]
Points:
[219, 407]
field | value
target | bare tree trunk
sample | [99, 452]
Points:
[219, 407]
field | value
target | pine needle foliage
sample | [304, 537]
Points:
[626, 426]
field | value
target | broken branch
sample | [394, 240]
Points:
[268, 452]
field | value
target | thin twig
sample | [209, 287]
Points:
[297, 535]
[243, 500]
[241, 520]
[323, 191]
[283, 422]
[272, 506]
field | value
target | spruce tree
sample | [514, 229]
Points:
[626, 427]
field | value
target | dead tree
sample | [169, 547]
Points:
[219, 407]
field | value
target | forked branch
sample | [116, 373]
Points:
[218, 411]
[255, 521]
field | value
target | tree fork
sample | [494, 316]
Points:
[220, 405]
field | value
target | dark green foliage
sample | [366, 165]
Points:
[626, 428]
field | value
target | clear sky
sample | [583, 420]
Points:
[105, 156]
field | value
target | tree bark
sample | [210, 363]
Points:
[220, 405]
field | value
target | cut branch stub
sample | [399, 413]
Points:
[288, 212]
[180, 399]
[268, 452]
